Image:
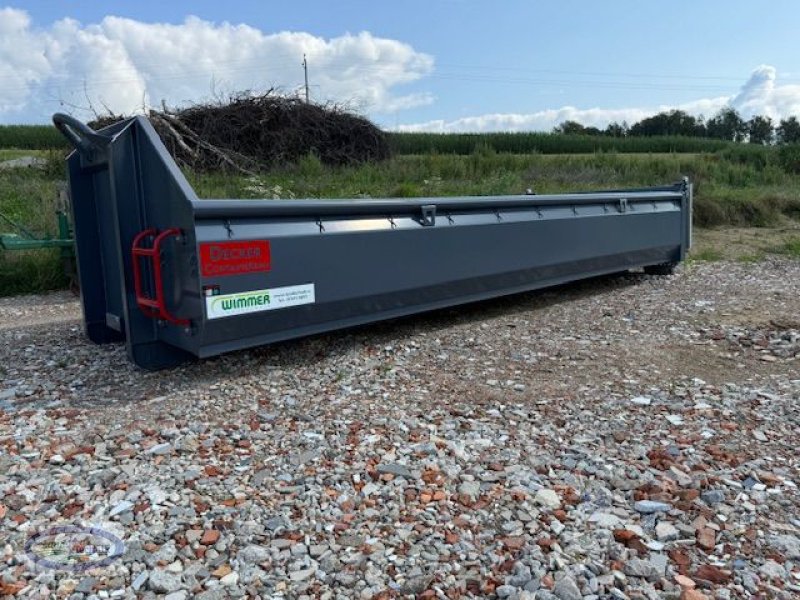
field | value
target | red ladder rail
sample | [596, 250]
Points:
[155, 308]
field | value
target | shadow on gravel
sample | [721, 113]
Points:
[307, 351]
[49, 357]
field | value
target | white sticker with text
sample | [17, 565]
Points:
[230, 305]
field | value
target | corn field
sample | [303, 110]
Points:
[545, 143]
[31, 137]
[40, 137]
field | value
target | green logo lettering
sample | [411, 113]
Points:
[241, 301]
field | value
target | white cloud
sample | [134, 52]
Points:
[124, 64]
[761, 94]
[22, 61]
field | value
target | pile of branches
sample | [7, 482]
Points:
[250, 133]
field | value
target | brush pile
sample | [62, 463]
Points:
[251, 133]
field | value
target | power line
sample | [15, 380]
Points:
[466, 73]
[449, 72]
[256, 60]
[377, 70]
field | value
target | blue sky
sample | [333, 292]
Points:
[440, 65]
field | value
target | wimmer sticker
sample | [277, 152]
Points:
[230, 305]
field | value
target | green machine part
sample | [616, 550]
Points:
[23, 239]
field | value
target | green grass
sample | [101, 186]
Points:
[30, 271]
[28, 197]
[706, 255]
[789, 247]
[750, 258]
[736, 186]
[729, 190]
[11, 153]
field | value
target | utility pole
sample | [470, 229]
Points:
[305, 72]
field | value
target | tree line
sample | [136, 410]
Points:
[727, 124]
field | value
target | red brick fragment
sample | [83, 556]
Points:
[623, 536]
[514, 542]
[706, 539]
[210, 537]
[712, 574]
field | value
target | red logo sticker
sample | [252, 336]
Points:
[234, 258]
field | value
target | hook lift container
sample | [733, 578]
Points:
[177, 277]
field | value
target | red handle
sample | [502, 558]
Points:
[154, 308]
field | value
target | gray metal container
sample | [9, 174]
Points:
[177, 277]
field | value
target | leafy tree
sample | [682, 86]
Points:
[761, 130]
[617, 129]
[674, 122]
[570, 128]
[575, 128]
[727, 124]
[788, 131]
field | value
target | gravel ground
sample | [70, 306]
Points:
[632, 437]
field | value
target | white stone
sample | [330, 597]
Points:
[123, 506]
[548, 499]
[674, 419]
[160, 449]
[302, 574]
[666, 532]
[605, 520]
